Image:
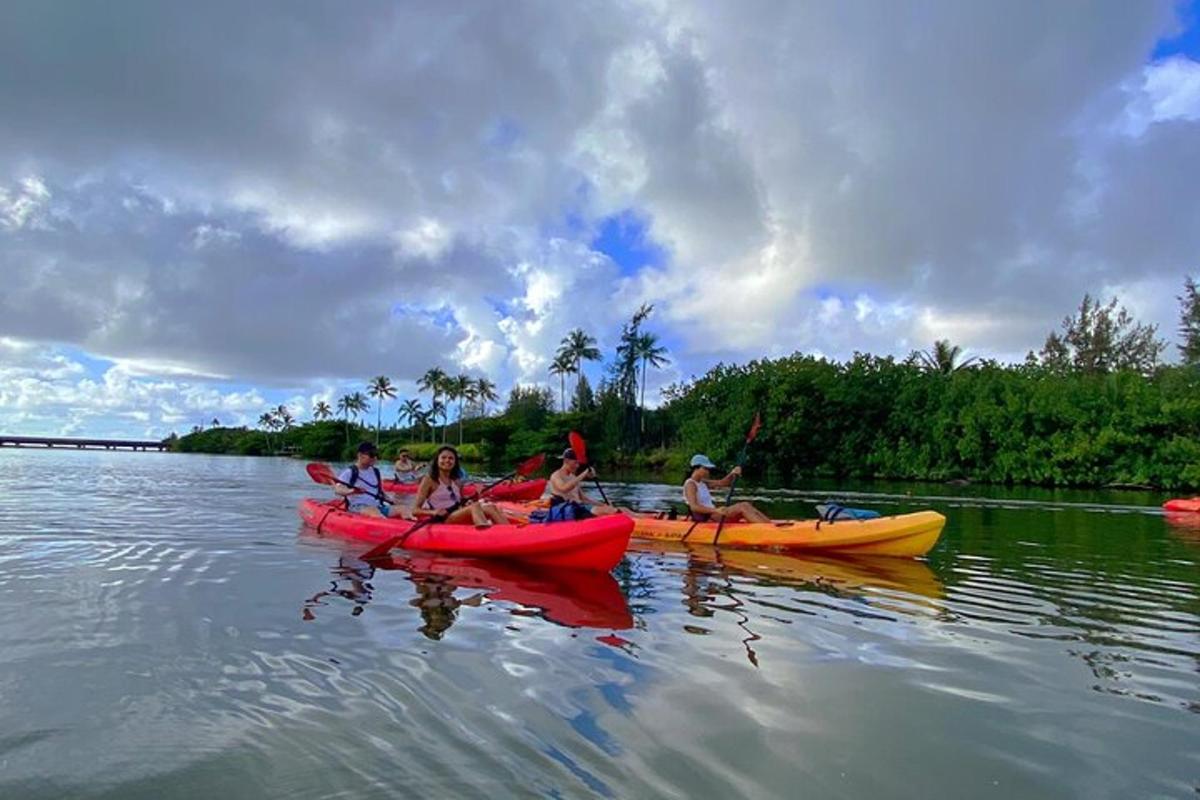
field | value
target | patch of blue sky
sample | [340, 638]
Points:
[442, 316]
[503, 134]
[93, 367]
[503, 308]
[1186, 42]
[624, 238]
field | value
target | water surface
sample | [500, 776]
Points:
[169, 630]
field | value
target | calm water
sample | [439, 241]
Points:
[167, 631]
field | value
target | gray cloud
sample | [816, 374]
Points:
[283, 192]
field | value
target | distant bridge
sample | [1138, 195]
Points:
[80, 444]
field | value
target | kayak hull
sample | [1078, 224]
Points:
[1189, 505]
[597, 544]
[517, 492]
[906, 535]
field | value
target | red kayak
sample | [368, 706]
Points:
[597, 543]
[1191, 505]
[522, 490]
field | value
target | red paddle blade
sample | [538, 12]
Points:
[531, 465]
[578, 445]
[754, 428]
[321, 473]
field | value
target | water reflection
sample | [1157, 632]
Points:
[1185, 525]
[572, 598]
[753, 586]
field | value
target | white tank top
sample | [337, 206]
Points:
[702, 493]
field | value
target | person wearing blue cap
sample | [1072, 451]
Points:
[699, 499]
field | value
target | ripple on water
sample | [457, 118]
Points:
[184, 639]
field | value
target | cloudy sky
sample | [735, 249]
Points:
[210, 208]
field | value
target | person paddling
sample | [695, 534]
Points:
[567, 499]
[361, 485]
[441, 493]
[405, 470]
[700, 500]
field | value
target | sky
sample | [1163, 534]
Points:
[210, 209]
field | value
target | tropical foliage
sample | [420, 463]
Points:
[1094, 407]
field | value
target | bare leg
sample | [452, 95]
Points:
[494, 514]
[462, 516]
[369, 511]
[748, 512]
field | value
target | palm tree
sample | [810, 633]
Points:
[579, 347]
[461, 388]
[284, 415]
[380, 387]
[647, 348]
[410, 412]
[562, 366]
[216, 423]
[267, 421]
[322, 410]
[943, 358]
[485, 392]
[437, 410]
[345, 405]
[434, 382]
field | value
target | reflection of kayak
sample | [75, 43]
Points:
[903, 535]
[577, 598]
[1189, 505]
[841, 572]
[1185, 525]
[521, 490]
[588, 544]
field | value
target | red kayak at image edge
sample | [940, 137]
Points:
[1183, 504]
[521, 490]
[598, 543]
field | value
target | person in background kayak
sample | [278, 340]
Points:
[405, 469]
[566, 488]
[361, 485]
[700, 500]
[440, 494]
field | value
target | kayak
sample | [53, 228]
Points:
[597, 543]
[522, 490]
[910, 535]
[902, 535]
[1191, 505]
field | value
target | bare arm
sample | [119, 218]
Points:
[726, 481]
[562, 486]
[423, 491]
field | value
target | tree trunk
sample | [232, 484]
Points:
[642, 409]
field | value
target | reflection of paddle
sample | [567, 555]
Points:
[753, 432]
[321, 473]
[580, 448]
[523, 469]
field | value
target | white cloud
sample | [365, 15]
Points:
[403, 186]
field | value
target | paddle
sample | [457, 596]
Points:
[321, 473]
[523, 469]
[580, 448]
[750, 436]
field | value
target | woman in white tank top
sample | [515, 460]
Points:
[440, 494]
[699, 499]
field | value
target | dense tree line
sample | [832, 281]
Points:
[1095, 406]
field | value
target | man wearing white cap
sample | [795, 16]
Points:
[700, 500]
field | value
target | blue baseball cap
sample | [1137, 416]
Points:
[701, 460]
